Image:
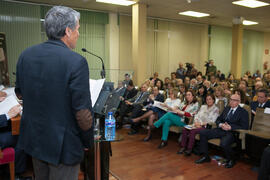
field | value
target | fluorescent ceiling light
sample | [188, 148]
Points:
[194, 14]
[117, 2]
[246, 22]
[250, 3]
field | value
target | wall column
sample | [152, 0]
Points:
[139, 53]
[113, 42]
[237, 46]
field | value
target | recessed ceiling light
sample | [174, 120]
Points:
[194, 14]
[246, 22]
[117, 2]
[250, 3]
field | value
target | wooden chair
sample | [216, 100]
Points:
[220, 105]
[7, 156]
[258, 137]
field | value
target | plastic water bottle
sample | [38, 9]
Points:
[110, 127]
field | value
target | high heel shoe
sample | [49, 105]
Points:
[147, 138]
[162, 144]
[181, 151]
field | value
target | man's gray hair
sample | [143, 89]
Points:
[57, 19]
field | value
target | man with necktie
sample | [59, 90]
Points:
[262, 102]
[233, 117]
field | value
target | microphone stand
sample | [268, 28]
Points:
[102, 72]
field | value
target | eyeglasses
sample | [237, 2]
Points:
[234, 99]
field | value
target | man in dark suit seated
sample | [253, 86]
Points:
[133, 102]
[233, 117]
[262, 102]
[9, 140]
[130, 92]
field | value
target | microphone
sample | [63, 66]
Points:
[102, 72]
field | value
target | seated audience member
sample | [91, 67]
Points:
[187, 82]
[262, 102]
[126, 80]
[179, 82]
[231, 78]
[166, 82]
[226, 87]
[243, 85]
[193, 84]
[136, 101]
[220, 95]
[244, 99]
[182, 92]
[233, 117]
[173, 78]
[170, 86]
[159, 84]
[180, 72]
[201, 95]
[155, 78]
[213, 81]
[155, 113]
[264, 171]
[129, 94]
[258, 85]
[209, 89]
[138, 109]
[207, 114]
[257, 74]
[177, 117]
[199, 80]
[9, 140]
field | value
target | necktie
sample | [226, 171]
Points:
[139, 97]
[230, 114]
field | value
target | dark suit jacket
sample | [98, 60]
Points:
[3, 121]
[255, 104]
[239, 119]
[54, 84]
[141, 100]
[130, 94]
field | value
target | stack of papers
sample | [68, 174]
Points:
[158, 105]
[7, 104]
[95, 88]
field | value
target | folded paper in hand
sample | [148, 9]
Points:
[7, 104]
[267, 110]
[158, 105]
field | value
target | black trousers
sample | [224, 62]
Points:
[226, 137]
[264, 173]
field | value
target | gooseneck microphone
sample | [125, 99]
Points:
[102, 72]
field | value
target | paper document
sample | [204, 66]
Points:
[267, 110]
[189, 127]
[10, 91]
[7, 104]
[158, 105]
[1, 87]
[95, 88]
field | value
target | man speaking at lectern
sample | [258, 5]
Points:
[56, 123]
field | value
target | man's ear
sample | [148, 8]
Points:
[68, 32]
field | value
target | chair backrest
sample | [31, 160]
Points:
[248, 109]
[261, 121]
[220, 105]
[199, 99]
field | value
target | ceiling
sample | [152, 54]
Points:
[221, 11]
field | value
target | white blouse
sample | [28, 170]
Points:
[206, 114]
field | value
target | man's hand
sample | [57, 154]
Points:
[3, 96]
[226, 126]
[14, 111]
[128, 103]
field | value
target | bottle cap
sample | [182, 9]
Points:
[110, 113]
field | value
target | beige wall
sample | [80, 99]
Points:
[168, 43]
[266, 57]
